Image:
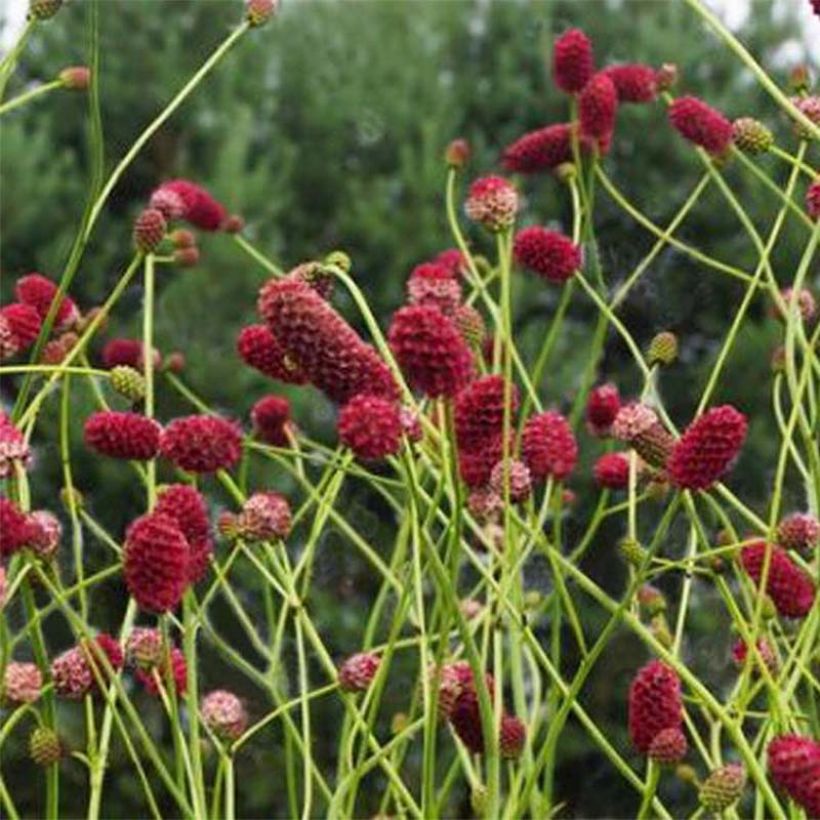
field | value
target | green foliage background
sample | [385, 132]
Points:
[326, 130]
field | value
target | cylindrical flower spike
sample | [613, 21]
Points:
[572, 61]
[122, 435]
[201, 444]
[550, 254]
[794, 765]
[701, 124]
[548, 446]
[654, 704]
[790, 589]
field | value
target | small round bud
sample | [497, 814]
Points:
[399, 723]
[186, 257]
[651, 599]
[44, 746]
[667, 76]
[75, 77]
[71, 496]
[233, 224]
[128, 382]
[751, 136]
[799, 80]
[723, 787]
[339, 259]
[258, 12]
[149, 230]
[227, 524]
[663, 349]
[686, 774]
[357, 672]
[566, 172]
[668, 747]
[43, 9]
[174, 362]
[659, 627]
[182, 238]
[224, 714]
[631, 551]
[458, 153]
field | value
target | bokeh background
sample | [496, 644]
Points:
[326, 130]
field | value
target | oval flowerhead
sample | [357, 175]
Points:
[707, 448]
[800, 532]
[634, 82]
[16, 528]
[701, 124]
[22, 683]
[550, 254]
[492, 202]
[265, 516]
[794, 765]
[612, 471]
[271, 420]
[723, 787]
[479, 411]
[434, 284]
[186, 506]
[549, 447]
[155, 562]
[603, 405]
[224, 714]
[183, 199]
[512, 735]
[792, 591]
[572, 61]
[202, 444]
[597, 107]
[371, 427]
[122, 435]
[39, 292]
[357, 672]
[541, 150]
[22, 325]
[654, 704]
[260, 349]
[430, 351]
[14, 449]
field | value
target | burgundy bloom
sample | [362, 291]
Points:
[224, 714]
[14, 448]
[479, 411]
[23, 322]
[668, 747]
[323, 345]
[260, 349]
[572, 61]
[707, 448]
[638, 425]
[178, 671]
[476, 466]
[465, 713]
[433, 284]
[370, 426]
[155, 562]
[357, 672]
[182, 199]
[612, 471]
[541, 150]
[701, 124]
[122, 435]
[39, 292]
[15, 528]
[550, 254]
[548, 446]
[813, 200]
[186, 506]
[126, 352]
[654, 704]
[597, 107]
[430, 350]
[794, 764]
[800, 532]
[492, 202]
[99, 650]
[603, 405]
[201, 444]
[271, 419]
[452, 259]
[634, 82]
[512, 735]
[264, 517]
[791, 590]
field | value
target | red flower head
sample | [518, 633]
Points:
[572, 61]
[224, 714]
[723, 787]
[259, 348]
[634, 82]
[357, 672]
[181, 199]
[264, 516]
[71, 674]
[794, 764]
[612, 471]
[149, 230]
[799, 531]
[701, 124]
[326, 348]
[187, 508]
[740, 652]
[492, 202]
[9, 345]
[22, 683]
[465, 713]
[103, 648]
[271, 418]
[813, 199]
[46, 534]
[810, 106]
[24, 323]
[258, 12]
[550, 254]
[39, 292]
[707, 448]
[433, 284]
[549, 447]
[201, 444]
[122, 435]
[155, 562]
[452, 677]
[638, 425]
[126, 352]
[541, 150]
[668, 747]
[13, 447]
[476, 466]
[179, 674]
[457, 154]
[603, 405]
[430, 350]
[143, 648]
[791, 590]
[512, 735]
[597, 107]
[654, 704]
[15, 528]
[518, 476]
[804, 301]
[370, 426]
[452, 259]
[479, 411]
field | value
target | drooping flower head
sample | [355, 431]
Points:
[634, 82]
[572, 61]
[260, 349]
[791, 590]
[548, 253]
[370, 426]
[548, 446]
[201, 444]
[429, 349]
[183, 199]
[327, 350]
[707, 448]
[122, 435]
[701, 124]
[39, 292]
